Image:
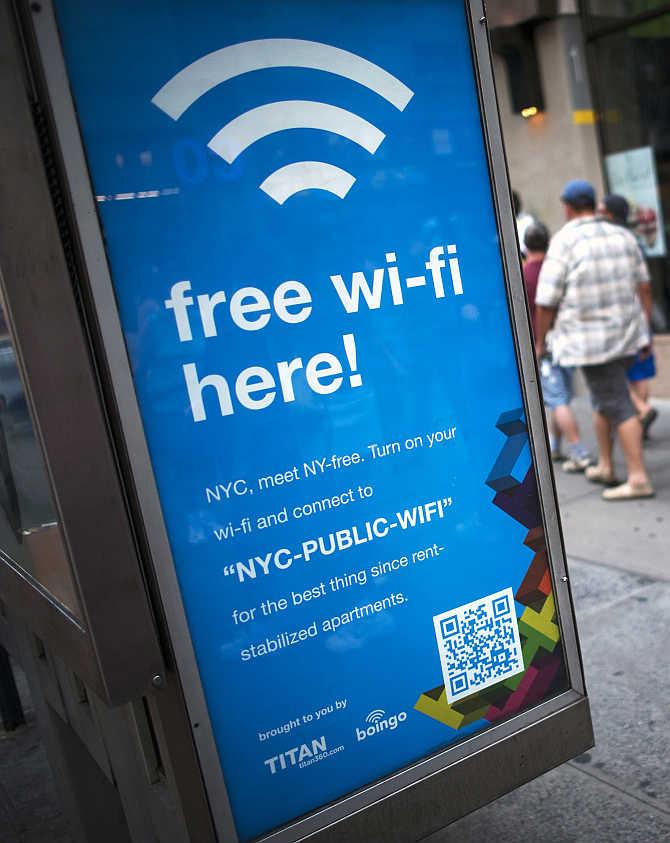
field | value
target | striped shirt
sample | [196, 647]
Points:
[591, 274]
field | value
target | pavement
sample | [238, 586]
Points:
[619, 567]
[30, 811]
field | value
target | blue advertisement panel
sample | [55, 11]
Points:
[298, 216]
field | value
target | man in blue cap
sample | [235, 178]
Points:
[593, 293]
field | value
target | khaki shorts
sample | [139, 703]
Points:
[608, 386]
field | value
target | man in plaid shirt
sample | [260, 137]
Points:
[593, 293]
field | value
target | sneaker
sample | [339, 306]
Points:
[575, 465]
[556, 455]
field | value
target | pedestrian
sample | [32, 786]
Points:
[557, 381]
[616, 209]
[591, 291]
[523, 220]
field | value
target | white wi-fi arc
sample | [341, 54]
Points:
[195, 80]
[375, 716]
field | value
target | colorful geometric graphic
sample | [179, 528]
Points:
[512, 478]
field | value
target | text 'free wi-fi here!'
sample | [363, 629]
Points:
[195, 80]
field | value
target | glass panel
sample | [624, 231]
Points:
[632, 82]
[30, 535]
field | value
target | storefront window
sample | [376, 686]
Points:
[631, 77]
[614, 10]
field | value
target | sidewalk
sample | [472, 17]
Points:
[632, 536]
[619, 555]
[620, 574]
[30, 811]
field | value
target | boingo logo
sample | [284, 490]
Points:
[378, 721]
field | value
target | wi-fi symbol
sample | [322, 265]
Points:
[375, 716]
[211, 70]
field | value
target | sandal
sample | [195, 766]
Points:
[595, 474]
[628, 492]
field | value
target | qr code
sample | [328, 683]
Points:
[479, 644]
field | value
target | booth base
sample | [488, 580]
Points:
[443, 798]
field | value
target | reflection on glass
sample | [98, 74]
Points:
[30, 536]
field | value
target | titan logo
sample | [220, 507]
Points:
[297, 754]
[204, 74]
[378, 721]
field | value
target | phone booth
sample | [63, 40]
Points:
[280, 551]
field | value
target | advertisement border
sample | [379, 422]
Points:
[570, 705]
